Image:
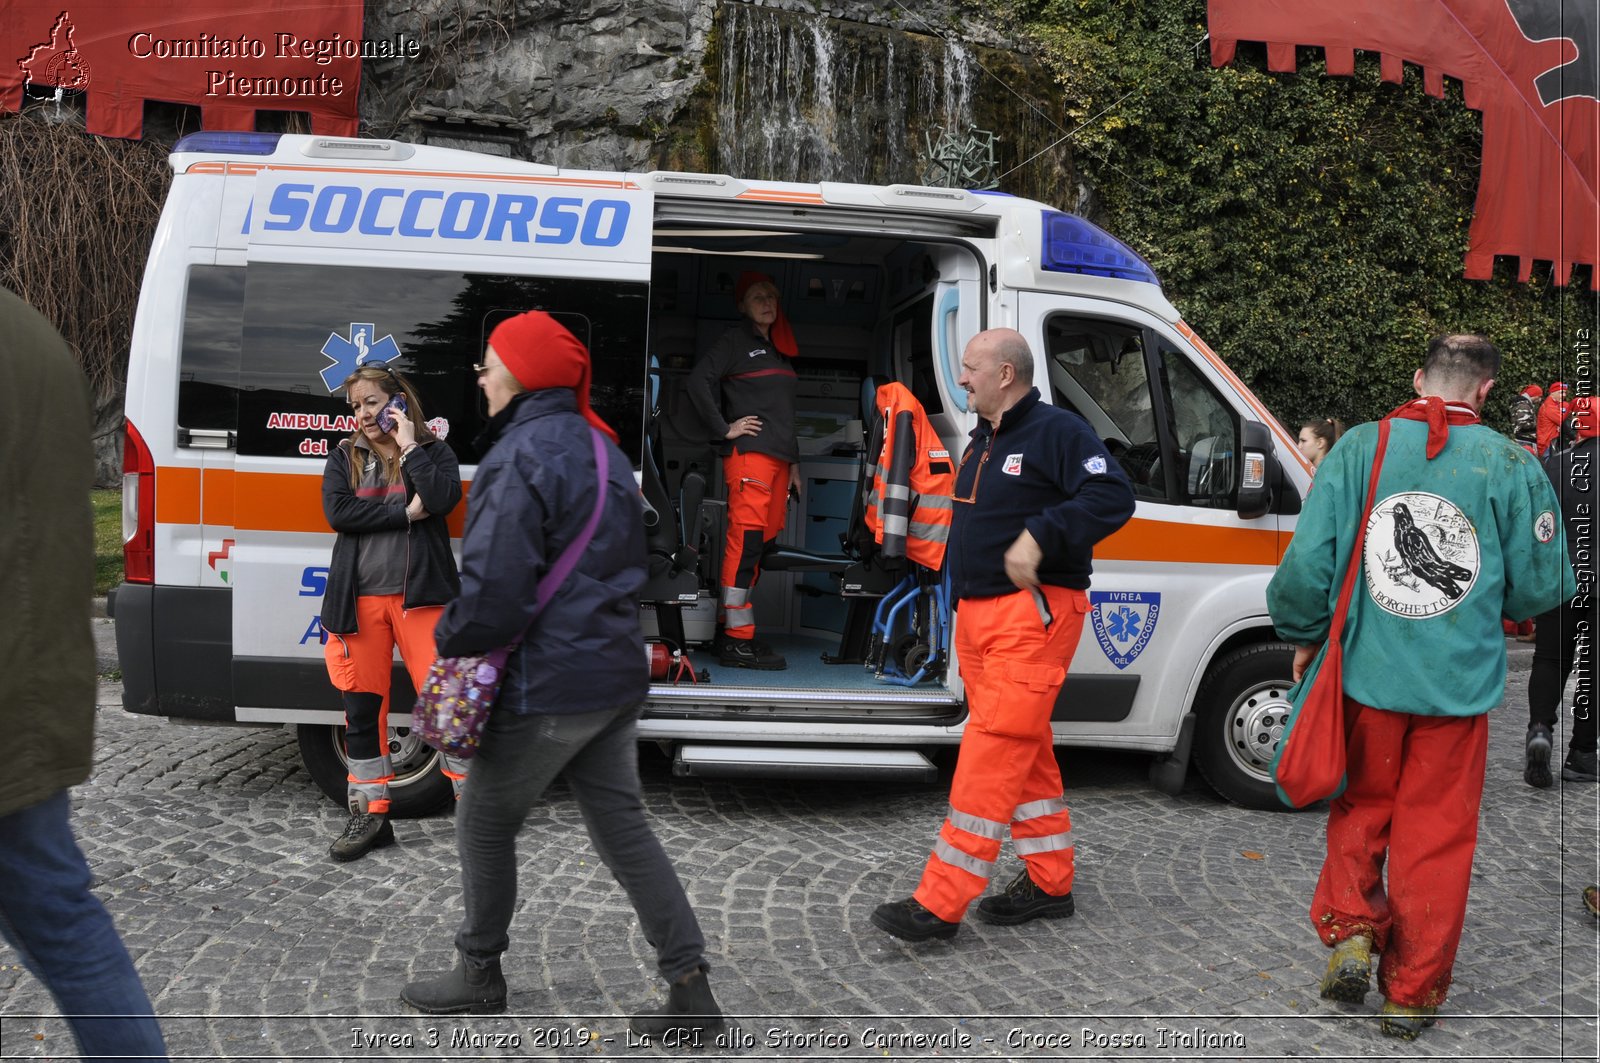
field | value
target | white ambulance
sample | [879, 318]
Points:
[282, 262]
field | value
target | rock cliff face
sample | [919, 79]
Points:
[847, 90]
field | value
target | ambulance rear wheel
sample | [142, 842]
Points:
[1242, 708]
[418, 788]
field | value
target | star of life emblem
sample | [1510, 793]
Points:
[1095, 465]
[351, 354]
[1123, 622]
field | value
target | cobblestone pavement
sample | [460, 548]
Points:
[1191, 938]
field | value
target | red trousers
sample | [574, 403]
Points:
[758, 498]
[1006, 775]
[1411, 801]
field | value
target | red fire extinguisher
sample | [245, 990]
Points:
[660, 658]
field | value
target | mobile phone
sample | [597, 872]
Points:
[385, 418]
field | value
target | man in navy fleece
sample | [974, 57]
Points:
[1035, 491]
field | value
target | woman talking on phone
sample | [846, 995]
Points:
[386, 491]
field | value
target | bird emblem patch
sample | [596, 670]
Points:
[1421, 555]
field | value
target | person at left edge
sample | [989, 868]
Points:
[387, 494]
[572, 693]
[1036, 489]
[48, 913]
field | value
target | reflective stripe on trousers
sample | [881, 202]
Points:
[1006, 776]
[368, 785]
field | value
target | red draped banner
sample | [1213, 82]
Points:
[1528, 65]
[229, 58]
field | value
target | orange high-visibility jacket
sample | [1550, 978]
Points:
[909, 508]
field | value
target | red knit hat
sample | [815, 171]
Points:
[782, 332]
[541, 353]
[1533, 391]
[1557, 386]
[1584, 417]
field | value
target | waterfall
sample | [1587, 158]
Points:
[809, 98]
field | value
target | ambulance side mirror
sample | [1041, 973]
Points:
[1257, 473]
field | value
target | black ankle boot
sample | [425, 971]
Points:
[474, 990]
[690, 1009]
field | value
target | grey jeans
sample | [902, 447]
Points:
[597, 753]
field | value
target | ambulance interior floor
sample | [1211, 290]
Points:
[806, 669]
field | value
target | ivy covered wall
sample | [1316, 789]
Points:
[1311, 228]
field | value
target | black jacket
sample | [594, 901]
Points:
[432, 472]
[1047, 472]
[1575, 474]
[534, 492]
[754, 380]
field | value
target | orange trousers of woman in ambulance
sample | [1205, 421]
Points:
[758, 496]
[1006, 775]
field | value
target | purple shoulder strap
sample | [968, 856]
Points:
[569, 557]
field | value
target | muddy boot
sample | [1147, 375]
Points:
[469, 990]
[1349, 970]
[690, 1011]
[1403, 1021]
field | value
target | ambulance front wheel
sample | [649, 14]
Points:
[1242, 707]
[418, 789]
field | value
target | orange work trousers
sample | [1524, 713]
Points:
[1413, 788]
[758, 498]
[362, 662]
[1006, 775]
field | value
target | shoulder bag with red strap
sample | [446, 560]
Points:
[1310, 763]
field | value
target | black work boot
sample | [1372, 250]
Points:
[1021, 901]
[748, 653]
[690, 1011]
[910, 921]
[1536, 771]
[365, 830]
[1580, 766]
[473, 990]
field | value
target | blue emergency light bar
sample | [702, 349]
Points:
[1072, 245]
[230, 143]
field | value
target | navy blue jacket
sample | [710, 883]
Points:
[1046, 472]
[532, 496]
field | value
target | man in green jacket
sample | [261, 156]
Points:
[1465, 529]
[47, 694]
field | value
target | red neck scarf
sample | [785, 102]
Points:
[1439, 414]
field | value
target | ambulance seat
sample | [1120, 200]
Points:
[674, 528]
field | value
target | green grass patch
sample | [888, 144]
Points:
[107, 507]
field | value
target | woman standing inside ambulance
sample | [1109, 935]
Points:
[750, 367]
[387, 491]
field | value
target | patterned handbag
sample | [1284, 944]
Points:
[459, 692]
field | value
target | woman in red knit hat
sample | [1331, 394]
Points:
[744, 388]
[573, 689]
